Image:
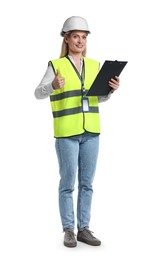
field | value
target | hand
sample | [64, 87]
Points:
[58, 81]
[114, 83]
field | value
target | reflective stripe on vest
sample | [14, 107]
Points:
[66, 103]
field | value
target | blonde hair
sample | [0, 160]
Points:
[65, 48]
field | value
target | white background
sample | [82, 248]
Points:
[124, 203]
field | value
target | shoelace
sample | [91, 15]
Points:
[70, 235]
[89, 233]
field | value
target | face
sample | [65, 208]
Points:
[76, 41]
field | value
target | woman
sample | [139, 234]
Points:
[76, 126]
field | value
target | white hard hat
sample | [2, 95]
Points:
[74, 23]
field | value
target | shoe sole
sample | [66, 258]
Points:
[89, 243]
[70, 245]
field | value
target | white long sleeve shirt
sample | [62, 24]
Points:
[45, 89]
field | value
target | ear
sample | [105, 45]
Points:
[65, 39]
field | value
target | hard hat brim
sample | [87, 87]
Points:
[63, 33]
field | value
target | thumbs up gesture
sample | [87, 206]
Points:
[58, 81]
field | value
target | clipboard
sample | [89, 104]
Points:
[110, 69]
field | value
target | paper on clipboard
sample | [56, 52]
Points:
[110, 69]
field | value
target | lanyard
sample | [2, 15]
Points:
[82, 76]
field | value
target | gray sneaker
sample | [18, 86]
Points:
[85, 235]
[69, 238]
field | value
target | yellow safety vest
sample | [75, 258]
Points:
[66, 103]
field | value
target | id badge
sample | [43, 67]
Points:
[85, 104]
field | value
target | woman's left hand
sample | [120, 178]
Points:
[114, 83]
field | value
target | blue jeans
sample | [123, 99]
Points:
[77, 153]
